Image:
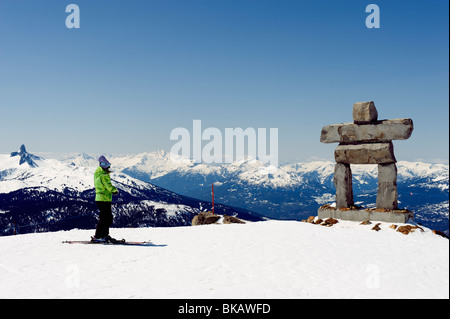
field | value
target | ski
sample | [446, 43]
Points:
[119, 242]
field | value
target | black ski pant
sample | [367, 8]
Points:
[105, 219]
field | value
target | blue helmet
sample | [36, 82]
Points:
[104, 163]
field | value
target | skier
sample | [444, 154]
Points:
[103, 197]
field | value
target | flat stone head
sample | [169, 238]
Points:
[364, 112]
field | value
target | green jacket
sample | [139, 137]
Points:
[103, 187]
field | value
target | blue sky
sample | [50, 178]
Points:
[135, 70]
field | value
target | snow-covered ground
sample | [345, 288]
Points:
[272, 259]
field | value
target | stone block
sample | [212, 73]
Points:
[379, 131]
[232, 220]
[343, 183]
[390, 216]
[366, 153]
[205, 218]
[387, 196]
[364, 112]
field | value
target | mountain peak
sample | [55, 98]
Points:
[26, 157]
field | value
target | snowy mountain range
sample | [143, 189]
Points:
[292, 191]
[38, 194]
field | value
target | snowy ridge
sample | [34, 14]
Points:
[49, 195]
[155, 164]
[291, 191]
[49, 173]
[297, 260]
[254, 172]
[76, 171]
[55, 175]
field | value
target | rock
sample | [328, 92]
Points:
[330, 222]
[343, 183]
[376, 227]
[205, 218]
[406, 229]
[310, 219]
[26, 157]
[370, 153]
[366, 222]
[232, 220]
[393, 226]
[364, 112]
[387, 196]
[318, 221]
[211, 219]
[379, 131]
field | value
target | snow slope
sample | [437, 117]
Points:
[272, 259]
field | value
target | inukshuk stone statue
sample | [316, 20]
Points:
[366, 141]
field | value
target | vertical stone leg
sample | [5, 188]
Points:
[387, 196]
[343, 184]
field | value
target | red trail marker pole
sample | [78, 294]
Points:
[212, 185]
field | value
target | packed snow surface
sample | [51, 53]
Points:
[271, 259]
